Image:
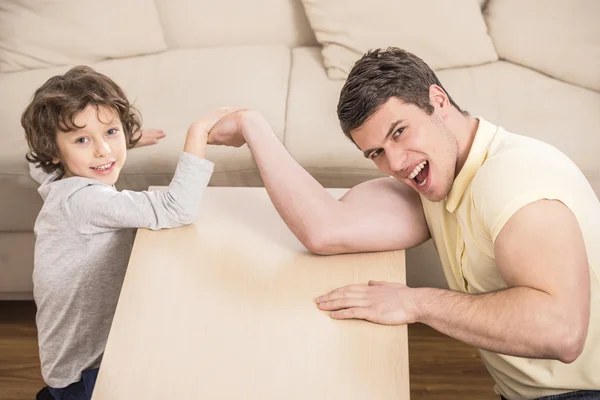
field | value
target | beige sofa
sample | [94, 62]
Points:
[176, 59]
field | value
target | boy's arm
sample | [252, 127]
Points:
[95, 207]
[98, 207]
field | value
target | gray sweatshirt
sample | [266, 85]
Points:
[84, 235]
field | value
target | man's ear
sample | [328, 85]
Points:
[438, 98]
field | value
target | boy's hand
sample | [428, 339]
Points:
[229, 131]
[148, 136]
[205, 124]
[197, 135]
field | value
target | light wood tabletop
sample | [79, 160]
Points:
[224, 309]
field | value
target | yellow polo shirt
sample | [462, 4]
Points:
[503, 173]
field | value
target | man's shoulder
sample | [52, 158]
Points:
[512, 156]
[507, 143]
[520, 169]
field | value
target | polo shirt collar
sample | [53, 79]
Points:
[477, 155]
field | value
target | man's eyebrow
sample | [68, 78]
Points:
[390, 131]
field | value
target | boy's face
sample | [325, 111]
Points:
[415, 148]
[98, 150]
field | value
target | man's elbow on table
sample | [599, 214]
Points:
[319, 243]
[570, 342]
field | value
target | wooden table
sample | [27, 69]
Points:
[224, 309]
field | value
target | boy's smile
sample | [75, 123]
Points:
[97, 150]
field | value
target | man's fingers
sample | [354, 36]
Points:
[346, 291]
[377, 283]
[339, 295]
[339, 304]
[352, 313]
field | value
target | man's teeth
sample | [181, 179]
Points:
[417, 169]
[422, 183]
[103, 167]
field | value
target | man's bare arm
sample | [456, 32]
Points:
[381, 214]
[378, 215]
[544, 312]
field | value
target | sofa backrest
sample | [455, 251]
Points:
[560, 38]
[41, 34]
[208, 23]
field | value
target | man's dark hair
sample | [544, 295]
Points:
[380, 75]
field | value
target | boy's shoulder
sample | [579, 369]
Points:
[64, 200]
[62, 189]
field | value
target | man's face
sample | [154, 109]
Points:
[98, 150]
[411, 146]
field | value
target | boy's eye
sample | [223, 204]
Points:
[81, 140]
[112, 131]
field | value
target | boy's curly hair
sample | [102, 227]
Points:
[56, 104]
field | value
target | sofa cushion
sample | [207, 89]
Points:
[560, 38]
[42, 34]
[171, 89]
[16, 265]
[313, 135]
[521, 100]
[526, 102]
[347, 29]
[191, 23]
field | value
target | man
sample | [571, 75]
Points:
[515, 223]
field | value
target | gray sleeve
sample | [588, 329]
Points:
[101, 208]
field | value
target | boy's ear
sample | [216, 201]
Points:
[55, 160]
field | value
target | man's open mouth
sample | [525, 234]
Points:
[420, 173]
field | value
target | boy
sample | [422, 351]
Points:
[78, 127]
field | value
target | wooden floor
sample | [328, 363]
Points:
[440, 367]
